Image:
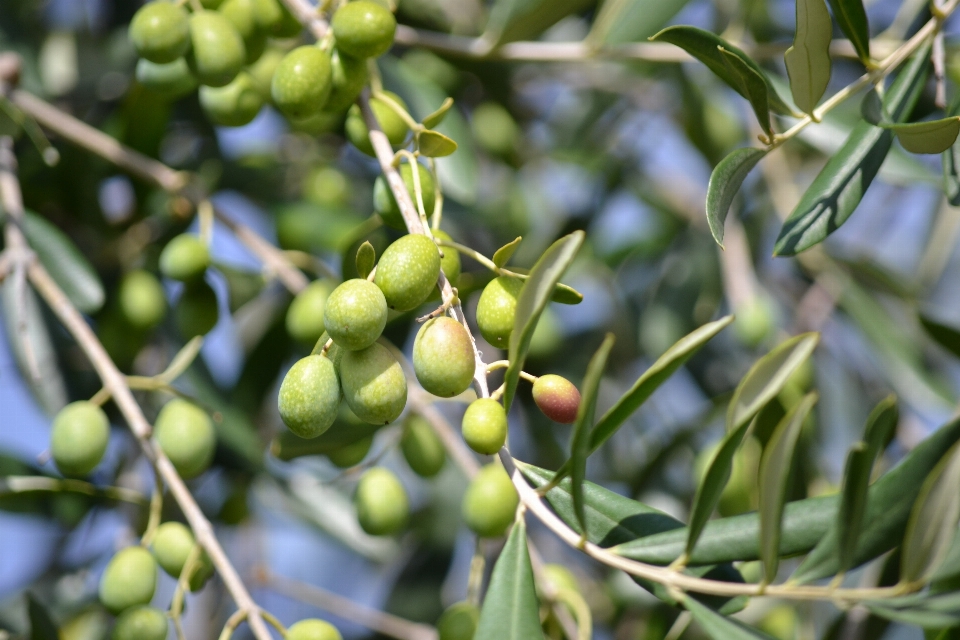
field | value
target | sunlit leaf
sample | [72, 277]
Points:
[66, 265]
[523, 19]
[504, 253]
[366, 258]
[852, 18]
[510, 609]
[565, 294]
[437, 116]
[808, 60]
[622, 21]
[933, 520]
[434, 144]
[724, 184]
[932, 136]
[720, 627]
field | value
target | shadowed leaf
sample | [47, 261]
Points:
[724, 184]
[808, 60]
[933, 520]
[852, 18]
[66, 265]
[946, 336]
[720, 627]
[753, 85]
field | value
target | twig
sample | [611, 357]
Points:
[11, 485]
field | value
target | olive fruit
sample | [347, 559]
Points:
[268, 14]
[160, 31]
[305, 315]
[261, 72]
[185, 258]
[218, 53]
[185, 434]
[557, 398]
[490, 503]
[129, 579]
[140, 623]
[326, 187]
[363, 29]
[197, 310]
[317, 123]
[289, 26]
[485, 426]
[381, 501]
[172, 544]
[443, 357]
[141, 299]
[373, 384]
[390, 122]
[240, 13]
[560, 577]
[211, 4]
[309, 396]
[755, 320]
[351, 454]
[494, 129]
[497, 309]
[301, 83]
[458, 622]
[233, 105]
[313, 629]
[407, 271]
[170, 80]
[355, 314]
[386, 205]
[79, 438]
[421, 447]
[450, 262]
[348, 77]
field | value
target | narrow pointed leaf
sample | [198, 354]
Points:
[932, 136]
[951, 162]
[534, 296]
[565, 294]
[512, 20]
[434, 144]
[510, 609]
[921, 609]
[366, 258]
[852, 18]
[808, 60]
[503, 254]
[753, 85]
[724, 184]
[622, 21]
[946, 336]
[42, 626]
[720, 627]
[437, 116]
[66, 265]
[774, 476]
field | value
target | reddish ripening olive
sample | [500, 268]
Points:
[557, 398]
[301, 83]
[160, 31]
[129, 579]
[497, 310]
[490, 503]
[309, 397]
[79, 438]
[382, 503]
[386, 205]
[373, 383]
[421, 447]
[485, 426]
[458, 622]
[313, 629]
[233, 105]
[355, 314]
[218, 53]
[363, 29]
[186, 435]
[407, 271]
[443, 357]
[391, 123]
[140, 623]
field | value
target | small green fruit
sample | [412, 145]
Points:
[458, 622]
[305, 315]
[234, 105]
[485, 426]
[373, 384]
[261, 72]
[494, 129]
[197, 310]
[755, 321]
[171, 80]
[317, 123]
[450, 262]
[129, 580]
[186, 435]
[289, 26]
[490, 503]
[242, 15]
[352, 454]
[141, 299]
[355, 314]
[557, 398]
[363, 29]
[268, 14]
[160, 31]
[185, 258]
[140, 623]
[381, 501]
[386, 205]
[391, 124]
[326, 187]
[313, 629]
[408, 271]
[349, 76]
[211, 4]
[561, 577]
[218, 51]
[309, 396]
[421, 447]
[443, 357]
[497, 310]
[172, 544]
[302, 82]
[79, 438]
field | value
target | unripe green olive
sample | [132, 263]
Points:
[408, 271]
[171, 545]
[242, 15]
[485, 426]
[561, 577]
[140, 623]
[309, 396]
[79, 438]
[261, 72]
[351, 454]
[289, 26]
[391, 124]
[755, 321]
[313, 629]
[443, 357]
[348, 77]
[141, 299]
[318, 123]
[268, 14]
[186, 435]
[160, 31]
[490, 503]
[301, 83]
[450, 262]
[355, 314]
[386, 205]
[129, 580]
[185, 258]
[218, 52]
[234, 105]
[305, 315]
[171, 80]
[326, 186]
[373, 384]
[381, 501]
[557, 398]
[497, 310]
[494, 129]
[421, 447]
[363, 29]
[197, 310]
[458, 622]
[211, 4]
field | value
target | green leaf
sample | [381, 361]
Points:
[946, 336]
[808, 60]
[434, 144]
[504, 253]
[920, 609]
[366, 258]
[951, 162]
[580, 442]
[774, 476]
[624, 21]
[437, 116]
[852, 19]
[512, 20]
[510, 609]
[724, 184]
[533, 298]
[933, 520]
[840, 185]
[720, 627]
[565, 294]
[42, 626]
[753, 85]
[932, 136]
[66, 265]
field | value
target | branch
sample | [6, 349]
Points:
[11, 485]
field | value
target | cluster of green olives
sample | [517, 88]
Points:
[186, 259]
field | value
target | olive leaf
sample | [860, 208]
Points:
[512, 20]
[434, 144]
[753, 85]
[366, 258]
[42, 626]
[565, 294]
[627, 21]
[725, 181]
[510, 609]
[931, 611]
[808, 60]
[933, 136]
[502, 255]
[946, 336]
[437, 116]
[951, 162]
[720, 627]
[852, 18]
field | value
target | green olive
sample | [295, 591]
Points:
[197, 310]
[313, 629]
[268, 14]
[374, 386]
[171, 80]
[234, 105]
[218, 52]
[381, 501]
[351, 454]
[326, 187]
[140, 623]
[490, 503]
[261, 72]
[561, 577]
[485, 426]
[302, 82]
[349, 77]
[390, 122]
[407, 271]
[363, 29]
[186, 435]
[79, 438]
[494, 129]
[557, 398]
[355, 314]
[305, 315]
[755, 321]
[458, 622]
[160, 31]
[450, 262]
[242, 15]
[309, 396]
[289, 26]
[443, 357]
[386, 205]
[211, 4]
[317, 123]
[129, 580]
[141, 299]
[421, 447]
[185, 258]
[497, 310]
[172, 544]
